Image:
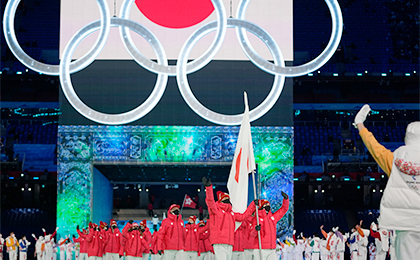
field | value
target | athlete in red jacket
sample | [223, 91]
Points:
[155, 242]
[268, 223]
[147, 235]
[135, 242]
[222, 221]
[172, 235]
[94, 241]
[204, 246]
[191, 239]
[239, 243]
[82, 241]
[249, 245]
[112, 242]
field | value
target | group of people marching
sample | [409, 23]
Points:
[332, 245]
[218, 238]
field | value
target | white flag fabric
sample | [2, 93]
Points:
[242, 164]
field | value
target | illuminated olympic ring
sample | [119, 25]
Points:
[48, 69]
[182, 68]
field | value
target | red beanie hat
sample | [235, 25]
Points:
[193, 218]
[173, 206]
[262, 202]
[143, 223]
[113, 222]
[222, 195]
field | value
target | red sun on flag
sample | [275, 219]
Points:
[175, 14]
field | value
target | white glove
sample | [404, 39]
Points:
[294, 232]
[56, 228]
[43, 230]
[34, 235]
[362, 114]
[335, 229]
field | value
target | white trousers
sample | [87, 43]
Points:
[12, 254]
[249, 254]
[237, 255]
[108, 256]
[206, 256]
[362, 253]
[23, 256]
[146, 256]
[407, 245]
[94, 258]
[83, 256]
[380, 255]
[325, 256]
[267, 254]
[222, 251]
[156, 257]
[129, 257]
[173, 254]
[315, 256]
[190, 255]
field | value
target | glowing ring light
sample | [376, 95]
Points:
[170, 70]
[75, 66]
[208, 114]
[103, 118]
[293, 71]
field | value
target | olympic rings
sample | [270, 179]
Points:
[204, 112]
[112, 119]
[182, 68]
[294, 71]
[53, 70]
[193, 66]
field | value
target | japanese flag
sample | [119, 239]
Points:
[189, 203]
[243, 163]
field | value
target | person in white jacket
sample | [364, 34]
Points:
[23, 248]
[352, 243]
[39, 247]
[400, 207]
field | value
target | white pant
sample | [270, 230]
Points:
[22, 256]
[173, 254]
[237, 255]
[223, 251]
[206, 256]
[145, 256]
[315, 256]
[249, 254]
[380, 255]
[108, 256]
[325, 256]
[193, 255]
[12, 254]
[362, 253]
[62, 255]
[267, 254]
[156, 257]
[83, 256]
[407, 245]
[94, 258]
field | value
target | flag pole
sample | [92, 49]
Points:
[183, 204]
[256, 213]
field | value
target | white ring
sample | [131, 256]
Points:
[54, 70]
[170, 70]
[208, 114]
[103, 118]
[293, 71]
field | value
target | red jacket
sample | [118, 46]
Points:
[113, 241]
[135, 242]
[94, 243]
[268, 222]
[191, 237]
[148, 237]
[204, 244]
[222, 219]
[155, 242]
[248, 240]
[171, 233]
[239, 242]
[82, 240]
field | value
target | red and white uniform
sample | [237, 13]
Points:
[191, 240]
[135, 242]
[82, 241]
[172, 235]
[204, 246]
[94, 244]
[112, 243]
[147, 235]
[1, 247]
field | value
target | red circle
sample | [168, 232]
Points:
[175, 14]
